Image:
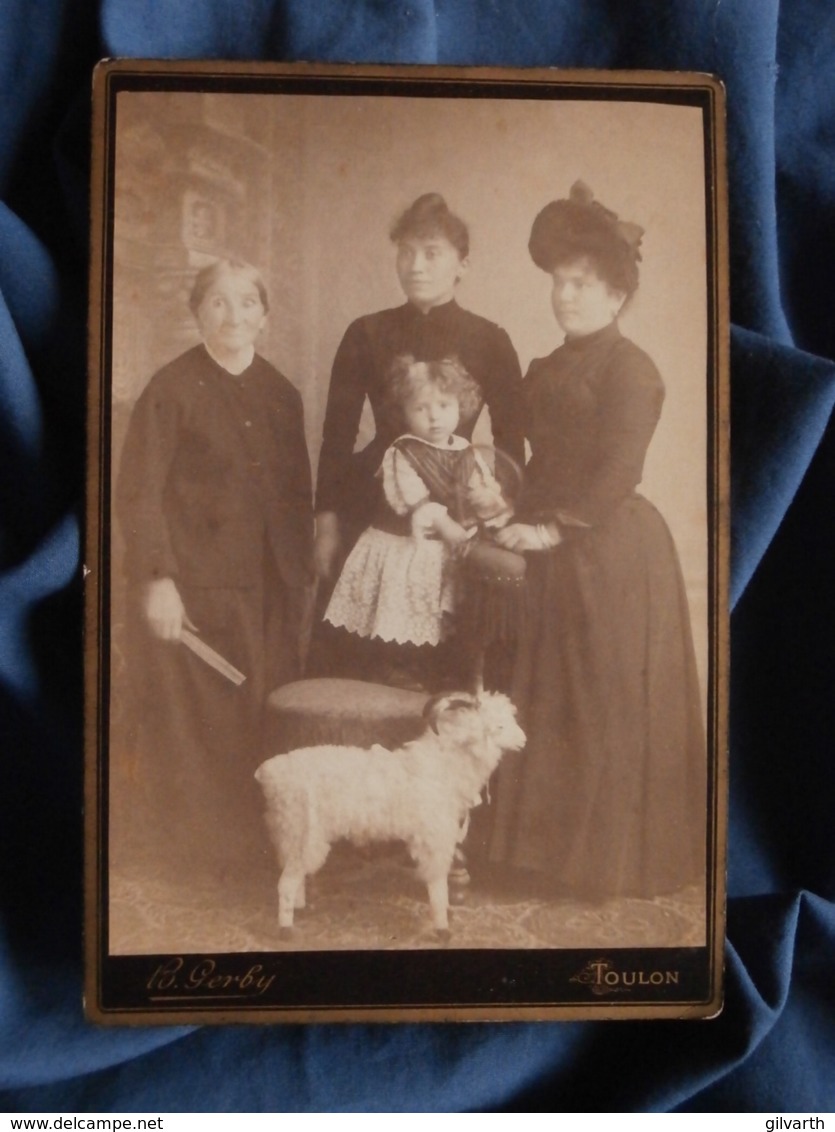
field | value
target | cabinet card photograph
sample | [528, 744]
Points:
[407, 543]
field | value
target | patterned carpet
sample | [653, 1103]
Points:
[371, 900]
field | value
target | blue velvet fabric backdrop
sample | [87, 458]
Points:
[773, 1047]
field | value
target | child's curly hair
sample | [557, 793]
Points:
[407, 375]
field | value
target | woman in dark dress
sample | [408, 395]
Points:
[432, 257]
[609, 796]
[214, 501]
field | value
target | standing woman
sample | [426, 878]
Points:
[214, 499]
[432, 257]
[609, 797]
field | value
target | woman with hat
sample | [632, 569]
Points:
[609, 796]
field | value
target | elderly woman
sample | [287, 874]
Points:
[609, 796]
[214, 499]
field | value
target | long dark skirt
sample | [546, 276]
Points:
[608, 797]
[193, 738]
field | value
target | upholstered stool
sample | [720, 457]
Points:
[347, 712]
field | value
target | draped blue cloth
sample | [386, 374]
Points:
[772, 1048]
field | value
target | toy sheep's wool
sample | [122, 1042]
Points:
[420, 793]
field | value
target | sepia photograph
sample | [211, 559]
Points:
[407, 541]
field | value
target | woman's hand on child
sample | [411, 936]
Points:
[524, 536]
[165, 611]
[327, 545]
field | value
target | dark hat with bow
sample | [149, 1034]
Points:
[580, 225]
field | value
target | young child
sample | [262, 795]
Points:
[398, 583]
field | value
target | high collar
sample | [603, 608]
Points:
[586, 342]
[438, 313]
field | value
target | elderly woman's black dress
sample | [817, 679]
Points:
[608, 798]
[213, 492]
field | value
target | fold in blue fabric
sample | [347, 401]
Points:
[772, 1048]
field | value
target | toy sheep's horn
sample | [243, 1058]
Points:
[446, 701]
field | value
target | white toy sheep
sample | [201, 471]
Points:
[420, 793]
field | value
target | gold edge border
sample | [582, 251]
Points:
[722, 519]
[93, 554]
[408, 72]
[584, 1012]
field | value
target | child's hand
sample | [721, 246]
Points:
[425, 519]
[451, 532]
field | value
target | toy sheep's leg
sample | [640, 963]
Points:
[439, 904]
[301, 898]
[291, 879]
[459, 877]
